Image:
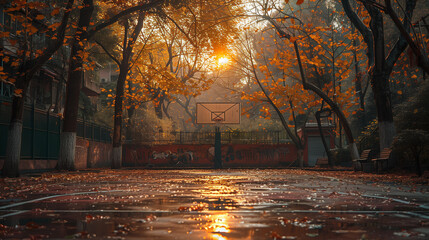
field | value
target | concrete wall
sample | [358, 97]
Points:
[90, 154]
[233, 155]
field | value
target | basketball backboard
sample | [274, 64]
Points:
[218, 113]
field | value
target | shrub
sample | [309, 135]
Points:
[410, 144]
[414, 113]
[341, 156]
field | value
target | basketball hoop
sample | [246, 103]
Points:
[218, 113]
[218, 120]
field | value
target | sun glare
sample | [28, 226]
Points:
[222, 61]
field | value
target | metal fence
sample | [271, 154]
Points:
[236, 137]
[41, 132]
[94, 132]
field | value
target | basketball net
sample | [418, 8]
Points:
[218, 121]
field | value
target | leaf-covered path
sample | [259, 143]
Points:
[214, 204]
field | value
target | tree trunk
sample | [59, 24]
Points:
[67, 149]
[68, 134]
[117, 157]
[380, 83]
[380, 88]
[13, 150]
[14, 137]
[300, 157]
[131, 111]
[387, 133]
[358, 88]
[117, 128]
[120, 89]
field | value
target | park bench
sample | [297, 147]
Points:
[322, 162]
[381, 163]
[363, 161]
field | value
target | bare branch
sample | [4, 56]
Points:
[108, 53]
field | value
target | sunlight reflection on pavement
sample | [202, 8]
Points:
[209, 204]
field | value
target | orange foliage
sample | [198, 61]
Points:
[327, 54]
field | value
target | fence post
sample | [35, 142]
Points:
[84, 128]
[33, 132]
[60, 123]
[47, 134]
[180, 137]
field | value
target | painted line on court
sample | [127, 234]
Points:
[398, 200]
[14, 213]
[54, 196]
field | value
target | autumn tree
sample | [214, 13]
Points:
[188, 39]
[34, 19]
[124, 65]
[301, 38]
[86, 29]
[209, 31]
[415, 41]
[380, 65]
[269, 88]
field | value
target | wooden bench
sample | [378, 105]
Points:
[381, 163]
[365, 156]
[322, 162]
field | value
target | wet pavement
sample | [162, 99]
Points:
[211, 204]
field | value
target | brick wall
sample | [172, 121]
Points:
[233, 155]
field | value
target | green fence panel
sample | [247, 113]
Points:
[88, 131]
[27, 118]
[96, 136]
[5, 108]
[41, 132]
[3, 139]
[4, 126]
[40, 144]
[107, 136]
[80, 129]
[54, 124]
[40, 121]
[27, 143]
[53, 145]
